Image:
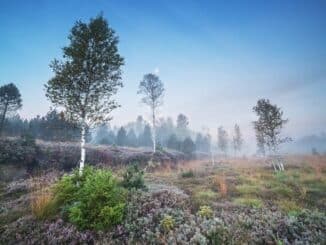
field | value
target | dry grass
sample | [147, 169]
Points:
[220, 182]
[41, 204]
[250, 179]
[41, 201]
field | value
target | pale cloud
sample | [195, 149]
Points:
[156, 70]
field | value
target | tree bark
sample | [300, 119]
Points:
[82, 149]
[154, 131]
[3, 118]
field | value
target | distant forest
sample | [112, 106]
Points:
[55, 126]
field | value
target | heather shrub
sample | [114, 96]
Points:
[188, 174]
[93, 200]
[21, 151]
[133, 178]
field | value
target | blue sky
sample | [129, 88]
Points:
[216, 58]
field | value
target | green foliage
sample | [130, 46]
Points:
[219, 234]
[91, 201]
[10, 101]
[133, 178]
[167, 223]
[188, 174]
[205, 211]
[78, 74]
[159, 147]
[188, 146]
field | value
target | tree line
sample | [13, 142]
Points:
[87, 77]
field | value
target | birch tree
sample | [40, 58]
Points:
[237, 140]
[10, 101]
[268, 130]
[222, 140]
[152, 89]
[88, 75]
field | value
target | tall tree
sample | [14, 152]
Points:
[145, 139]
[122, 137]
[188, 146]
[131, 138]
[237, 140]
[140, 124]
[88, 76]
[10, 101]
[268, 128]
[222, 140]
[103, 135]
[173, 142]
[152, 90]
[182, 126]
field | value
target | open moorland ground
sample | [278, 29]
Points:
[234, 201]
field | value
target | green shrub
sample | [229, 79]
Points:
[133, 178]
[205, 211]
[188, 174]
[91, 201]
[219, 234]
[167, 223]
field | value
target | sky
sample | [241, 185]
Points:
[215, 58]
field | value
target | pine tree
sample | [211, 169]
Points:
[10, 102]
[122, 137]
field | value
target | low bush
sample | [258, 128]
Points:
[205, 212]
[93, 200]
[22, 151]
[167, 223]
[133, 178]
[188, 174]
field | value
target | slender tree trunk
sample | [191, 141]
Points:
[82, 149]
[154, 130]
[213, 160]
[3, 118]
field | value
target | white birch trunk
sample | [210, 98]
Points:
[212, 156]
[82, 149]
[154, 131]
